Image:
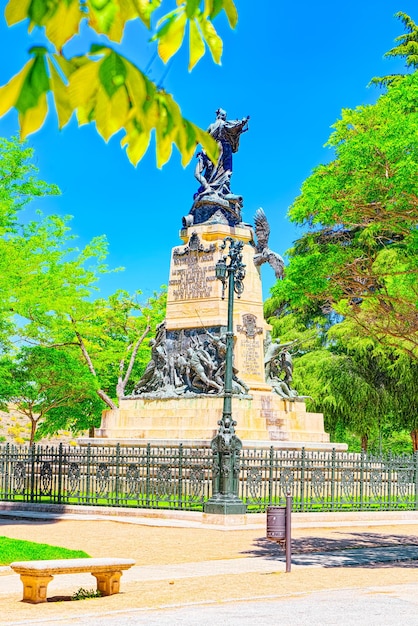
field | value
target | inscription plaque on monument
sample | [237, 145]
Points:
[193, 276]
[250, 347]
[250, 356]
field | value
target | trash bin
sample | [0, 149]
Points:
[276, 523]
[279, 527]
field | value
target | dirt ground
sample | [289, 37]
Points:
[157, 545]
[154, 545]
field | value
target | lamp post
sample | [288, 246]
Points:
[226, 446]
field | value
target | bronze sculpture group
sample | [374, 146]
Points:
[192, 364]
[278, 367]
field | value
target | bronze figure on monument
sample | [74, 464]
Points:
[263, 252]
[214, 199]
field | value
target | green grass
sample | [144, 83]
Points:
[19, 550]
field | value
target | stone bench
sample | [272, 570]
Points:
[35, 575]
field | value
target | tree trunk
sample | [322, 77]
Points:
[120, 389]
[123, 380]
[102, 394]
[364, 442]
[91, 432]
[33, 424]
[414, 437]
[106, 399]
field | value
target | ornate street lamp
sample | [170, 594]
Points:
[226, 446]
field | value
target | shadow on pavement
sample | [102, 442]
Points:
[359, 549]
[8, 520]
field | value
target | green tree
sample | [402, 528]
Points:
[110, 334]
[19, 185]
[404, 372]
[101, 85]
[83, 415]
[353, 275]
[358, 256]
[406, 48]
[39, 266]
[358, 391]
[365, 389]
[51, 293]
[48, 288]
[45, 385]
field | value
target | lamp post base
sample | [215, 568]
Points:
[225, 504]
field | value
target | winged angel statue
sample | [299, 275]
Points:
[263, 253]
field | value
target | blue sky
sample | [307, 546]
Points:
[291, 66]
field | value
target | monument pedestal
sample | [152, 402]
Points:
[262, 419]
[196, 316]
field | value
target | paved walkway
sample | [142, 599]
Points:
[374, 606]
[187, 574]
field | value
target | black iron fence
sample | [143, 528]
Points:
[180, 477]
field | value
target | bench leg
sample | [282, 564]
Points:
[108, 583]
[34, 587]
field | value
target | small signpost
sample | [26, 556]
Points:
[279, 527]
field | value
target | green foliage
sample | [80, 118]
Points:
[84, 413]
[40, 269]
[405, 374]
[342, 434]
[104, 87]
[359, 254]
[47, 301]
[18, 186]
[386, 441]
[45, 384]
[390, 441]
[18, 181]
[407, 48]
[19, 550]
[356, 269]
[367, 392]
[110, 334]
[86, 594]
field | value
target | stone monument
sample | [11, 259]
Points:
[180, 395]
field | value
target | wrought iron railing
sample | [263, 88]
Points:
[329, 481]
[180, 477]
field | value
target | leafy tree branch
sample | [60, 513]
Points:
[101, 85]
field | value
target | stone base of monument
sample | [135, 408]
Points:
[262, 419]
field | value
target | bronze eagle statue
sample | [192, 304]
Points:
[263, 253]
